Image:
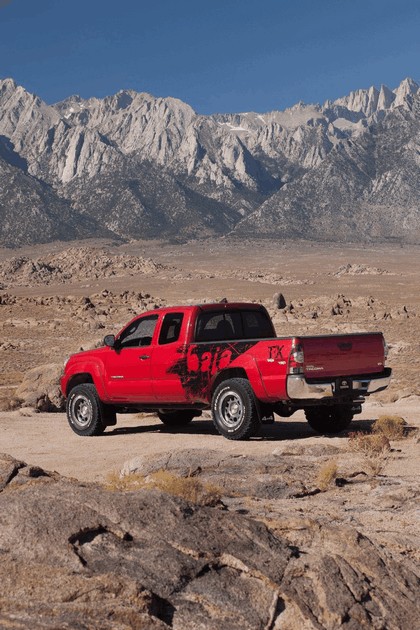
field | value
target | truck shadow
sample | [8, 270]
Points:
[278, 431]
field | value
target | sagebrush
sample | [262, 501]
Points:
[327, 475]
[374, 447]
[188, 488]
[368, 443]
[392, 427]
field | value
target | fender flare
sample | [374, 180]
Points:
[80, 372]
[247, 365]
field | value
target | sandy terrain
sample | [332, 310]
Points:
[57, 299]
[43, 319]
[46, 440]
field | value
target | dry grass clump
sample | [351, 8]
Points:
[376, 463]
[374, 448]
[188, 488]
[392, 427]
[327, 475]
[369, 444]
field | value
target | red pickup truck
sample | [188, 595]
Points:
[179, 361]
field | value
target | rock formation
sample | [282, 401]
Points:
[77, 555]
[136, 166]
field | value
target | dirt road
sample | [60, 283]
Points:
[47, 441]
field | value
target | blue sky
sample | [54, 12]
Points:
[219, 55]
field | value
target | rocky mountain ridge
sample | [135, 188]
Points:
[138, 166]
[366, 188]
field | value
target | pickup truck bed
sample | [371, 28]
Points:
[227, 357]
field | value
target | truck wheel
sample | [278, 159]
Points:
[329, 419]
[234, 408]
[85, 410]
[176, 418]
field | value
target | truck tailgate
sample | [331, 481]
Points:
[343, 355]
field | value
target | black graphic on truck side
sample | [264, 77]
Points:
[199, 363]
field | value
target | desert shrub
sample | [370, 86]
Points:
[374, 448]
[188, 488]
[133, 481]
[376, 463]
[327, 475]
[392, 427]
[369, 444]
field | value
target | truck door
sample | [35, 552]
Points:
[128, 365]
[167, 355]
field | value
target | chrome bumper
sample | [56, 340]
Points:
[299, 388]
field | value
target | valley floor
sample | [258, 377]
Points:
[347, 518]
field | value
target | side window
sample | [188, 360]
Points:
[171, 328]
[219, 326]
[139, 333]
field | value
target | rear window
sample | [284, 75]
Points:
[227, 325]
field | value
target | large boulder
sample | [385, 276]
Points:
[40, 388]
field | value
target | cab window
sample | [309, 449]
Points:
[216, 326]
[139, 333]
[171, 328]
[257, 325]
[230, 325]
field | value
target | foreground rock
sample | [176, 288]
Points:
[77, 555]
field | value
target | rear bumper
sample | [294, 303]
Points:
[299, 388]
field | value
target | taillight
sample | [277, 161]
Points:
[296, 358]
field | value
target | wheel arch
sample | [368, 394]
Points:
[248, 370]
[226, 374]
[79, 379]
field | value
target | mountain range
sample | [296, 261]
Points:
[135, 166]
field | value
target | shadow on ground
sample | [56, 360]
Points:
[278, 431]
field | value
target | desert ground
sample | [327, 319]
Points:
[327, 497]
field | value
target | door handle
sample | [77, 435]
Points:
[143, 357]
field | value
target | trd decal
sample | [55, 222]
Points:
[275, 353]
[197, 366]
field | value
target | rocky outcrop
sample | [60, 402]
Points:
[372, 101]
[148, 559]
[72, 265]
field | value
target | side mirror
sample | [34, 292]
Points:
[109, 340]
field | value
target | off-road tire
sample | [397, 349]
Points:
[234, 409]
[85, 411]
[328, 420]
[176, 418]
